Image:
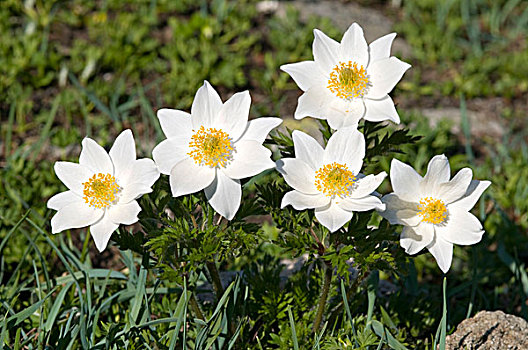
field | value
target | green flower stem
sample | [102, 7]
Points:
[195, 307]
[323, 298]
[215, 277]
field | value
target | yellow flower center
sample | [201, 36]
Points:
[347, 80]
[211, 147]
[334, 180]
[100, 190]
[432, 210]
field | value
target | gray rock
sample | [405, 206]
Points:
[489, 330]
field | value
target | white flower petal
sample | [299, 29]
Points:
[72, 175]
[249, 159]
[400, 212]
[382, 109]
[332, 217]
[405, 181]
[341, 114]
[101, 232]
[442, 252]
[63, 199]
[384, 75]
[258, 129]
[205, 107]
[169, 152]
[124, 213]
[187, 177]
[301, 201]
[456, 188]
[409, 217]
[305, 74]
[298, 174]
[142, 171]
[473, 193]
[380, 48]
[335, 118]
[175, 123]
[366, 185]
[133, 191]
[145, 171]
[75, 215]
[360, 204]
[346, 146]
[462, 227]
[123, 154]
[438, 171]
[354, 46]
[414, 239]
[308, 149]
[325, 50]
[312, 103]
[95, 158]
[233, 116]
[224, 195]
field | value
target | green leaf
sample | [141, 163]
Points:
[294, 333]
[16, 319]
[54, 311]
[383, 333]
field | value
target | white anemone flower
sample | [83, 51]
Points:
[348, 81]
[434, 209]
[213, 148]
[102, 188]
[329, 180]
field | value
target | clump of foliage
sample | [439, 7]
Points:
[77, 68]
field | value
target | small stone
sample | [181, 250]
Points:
[489, 330]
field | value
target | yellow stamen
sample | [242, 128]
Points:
[211, 147]
[432, 210]
[334, 180]
[348, 80]
[100, 190]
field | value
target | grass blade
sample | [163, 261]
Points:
[294, 333]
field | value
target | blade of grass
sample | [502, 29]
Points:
[147, 108]
[180, 313]
[45, 132]
[294, 333]
[138, 298]
[442, 328]
[347, 309]
[466, 128]
[383, 333]
[16, 319]
[54, 311]
[82, 319]
[372, 285]
[9, 129]
[17, 225]
[92, 97]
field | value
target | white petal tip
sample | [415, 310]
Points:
[381, 207]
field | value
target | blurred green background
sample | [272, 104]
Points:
[70, 69]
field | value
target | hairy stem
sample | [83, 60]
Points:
[215, 277]
[323, 298]
[195, 307]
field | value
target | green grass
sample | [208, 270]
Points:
[86, 68]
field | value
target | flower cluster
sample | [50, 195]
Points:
[215, 146]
